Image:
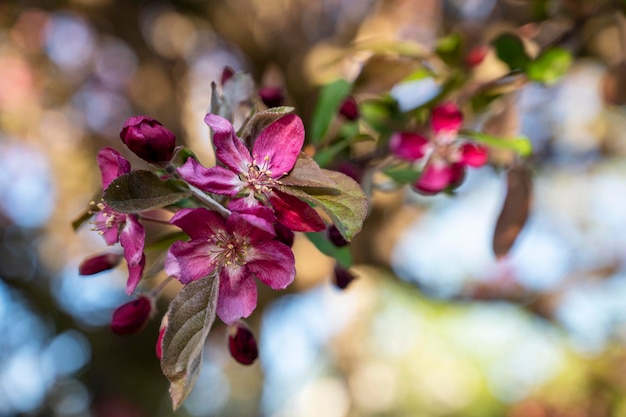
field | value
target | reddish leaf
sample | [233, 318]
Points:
[514, 211]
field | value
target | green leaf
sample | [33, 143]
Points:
[550, 66]
[142, 190]
[342, 254]
[520, 144]
[342, 199]
[306, 173]
[326, 155]
[330, 98]
[403, 174]
[189, 319]
[510, 49]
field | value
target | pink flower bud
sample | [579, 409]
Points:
[342, 276]
[227, 74]
[271, 96]
[408, 146]
[446, 117]
[349, 109]
[131, 317]
[335, 236]
[148, 139]
[473, 154]
[99, 263]
[476, 55]
[242, 344]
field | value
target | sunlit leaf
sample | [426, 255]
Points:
[550, 66]
[143, 190]
[402, 174]
[520, 144]
[330, 98]
[341, 254]
[189, 319]
[515, 210]
[381, 72]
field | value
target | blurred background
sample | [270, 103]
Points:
[434, 325]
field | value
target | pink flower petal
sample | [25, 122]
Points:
[109, 234]
[112, 164]
[135, 273]
[408, 146]
[473, 154]
[193, 260]
[435, 178]
[238, 295]
[446, 117]
[99, 263]
[171, 267]
[256, 227]
[215, 180]
[199, 223]
[277, 147]
[132, 239]
[229, 149]
[273, 264]
[295, 214]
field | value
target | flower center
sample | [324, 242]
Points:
[228, 249]
[259, 177]
[111, 219]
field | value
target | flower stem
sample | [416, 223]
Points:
[150, 219]
[208, 201]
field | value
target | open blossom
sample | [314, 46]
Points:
[120, 227]
[253, 178]
[445, 156]
[236, 249]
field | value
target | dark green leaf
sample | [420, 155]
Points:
[342, 254]
[142, 190]
[520, 144]
[510, 49]
[330, 98]
[189, 319]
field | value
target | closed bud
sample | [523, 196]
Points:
[349, 109]
[99, 263]
[242, 344]
[148, 139]
[342, 276]
[271, 96]
[335, 236]
[131, 317]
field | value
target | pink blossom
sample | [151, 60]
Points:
[120, 227]
[236, 249]
[443, 156]
[253, 178]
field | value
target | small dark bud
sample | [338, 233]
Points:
[242, 344]
[227, 74]
[131, 317]
[284, 234]
[334, 235]
[148, 139]
[99, 263]
[349, 108]
[476, 55]
[343, 277]
[271, 96]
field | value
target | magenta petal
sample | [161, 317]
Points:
[408, 146]
[446, 117]
[248, 224]
[273, 264]
[109, 234]
[135, 273]
[99, 263]
[295, 214]
[435, 177]
[473, 154]
[112, 164]
[132, 239]
[199, 223]
[238, 295]
[277, 147]
[216, 180]
[193, 260]
[171, 267]
[229, 149]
